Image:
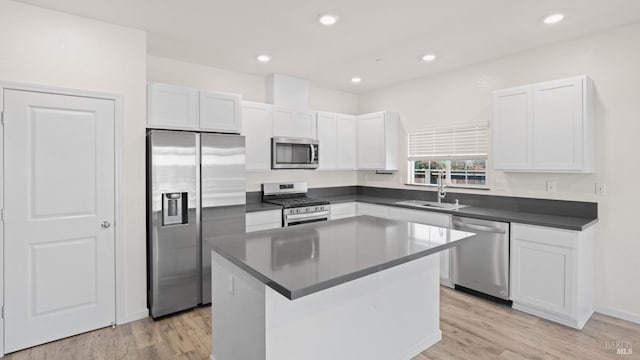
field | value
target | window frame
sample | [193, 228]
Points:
[447, 143]
[447, 173]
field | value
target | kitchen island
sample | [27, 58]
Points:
[360, 287]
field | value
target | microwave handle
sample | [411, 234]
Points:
[313, 153]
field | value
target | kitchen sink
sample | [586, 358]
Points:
[430, 204]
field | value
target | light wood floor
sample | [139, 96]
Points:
[472, 329]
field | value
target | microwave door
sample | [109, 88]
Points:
[301, 154]
[284, 154]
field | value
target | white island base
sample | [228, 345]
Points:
[390, 314]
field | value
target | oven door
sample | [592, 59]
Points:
[298, 219]
[293, 153]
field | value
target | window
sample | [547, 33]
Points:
[459, 151]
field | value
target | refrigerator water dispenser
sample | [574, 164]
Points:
[174, 208]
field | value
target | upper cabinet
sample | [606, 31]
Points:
[184, 108]
[545, 127]
[172, 107]
[293, 123]
[256, 127]
[337, 138]
[220, 112]
[378, 141]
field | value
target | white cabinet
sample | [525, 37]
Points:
[378, 141]
[429, 218]
[256, 127]
[372, 210]
[220, 112]
[184, 108]
[346, 142]
[544, 127]
[552, 273]
[337, 138]
[293, 123]
[263, 220]
[511, 129]
[343, 210]
[172, 107]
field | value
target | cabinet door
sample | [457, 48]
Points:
[429, 218]
[263, 220]
[172, 107]
[344, 210]
[542, 268]
[346, 142]
[290, 123]
[283, 123]
[220, 112]
[256, 127]
[558, 125]
[371, 141]
[512, 129]
[304, 124]
[326, 123]
[372, 210]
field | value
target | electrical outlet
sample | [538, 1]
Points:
[500, 185]
[551, 186]
[601, 189]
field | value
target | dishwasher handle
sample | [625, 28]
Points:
[457, 225]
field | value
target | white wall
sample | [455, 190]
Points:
[49, 48]
[611, 59]
[253, 88]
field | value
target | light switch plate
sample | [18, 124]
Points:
[601, 189]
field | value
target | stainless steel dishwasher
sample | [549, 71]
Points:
[482, 263]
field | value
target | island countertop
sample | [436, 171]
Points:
[304, 259]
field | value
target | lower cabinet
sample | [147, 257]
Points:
[372, 210]
[552, 273]
[429, 218]
[263, 220]
[342, 210]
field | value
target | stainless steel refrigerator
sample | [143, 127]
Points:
[195, 195]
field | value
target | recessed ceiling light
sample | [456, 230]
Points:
[264, 58]
[356, 80]
[429, 57]
[553, 19]
[328, 19]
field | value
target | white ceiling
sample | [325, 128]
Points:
[230, 34]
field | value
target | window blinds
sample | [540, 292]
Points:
[464, 141]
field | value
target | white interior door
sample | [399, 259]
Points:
[59, 206]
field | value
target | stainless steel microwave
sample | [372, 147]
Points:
[294, 153]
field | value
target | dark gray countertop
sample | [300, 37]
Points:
[261, 206]
[304, 259]
[554, 221]
[541, 218]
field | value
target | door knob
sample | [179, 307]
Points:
[105, 224]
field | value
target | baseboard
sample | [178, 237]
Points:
[135, 316]
[619, 314]
[421, 346]
[560, 319]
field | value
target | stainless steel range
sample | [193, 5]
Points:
[297, 208]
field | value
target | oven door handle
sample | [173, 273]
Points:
[318, 214]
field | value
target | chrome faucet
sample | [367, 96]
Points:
[441, 185]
